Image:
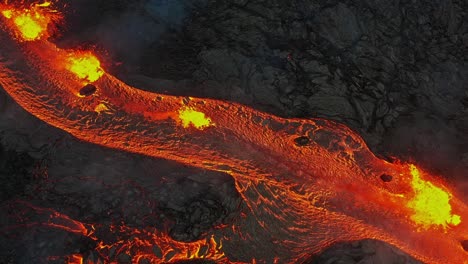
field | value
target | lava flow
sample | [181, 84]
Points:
[309, 183]
[32, 22]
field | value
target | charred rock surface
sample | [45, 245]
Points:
[365, 251]
[88, 90]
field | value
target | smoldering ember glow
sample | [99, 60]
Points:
[308, 182]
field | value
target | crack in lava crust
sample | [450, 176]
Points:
[309, 183]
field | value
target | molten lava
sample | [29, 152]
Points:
[431, 204]
[31, 23]
[84, 65]
[75, 259]
[189, 116]
[308, 183]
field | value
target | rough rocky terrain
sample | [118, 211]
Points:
[395, 71]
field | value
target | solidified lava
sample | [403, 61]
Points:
[464, 244]
[386, 177]
[301, 141]
[15, 171]
[308, 183]
[87, 90]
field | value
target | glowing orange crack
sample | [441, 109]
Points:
[75, 259]
[430, 203]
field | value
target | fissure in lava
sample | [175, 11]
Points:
[308, 182]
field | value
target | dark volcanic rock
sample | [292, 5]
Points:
[16, 172]
[301, 141]
[88, 90]
[386, 177]
[365, 251]
[198, 207]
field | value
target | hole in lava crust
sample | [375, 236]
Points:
[88, 90]
[386, 178]
[464, 244]
[301, 141]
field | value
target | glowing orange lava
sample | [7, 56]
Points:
[32, 22]
[75, 259]
[307, 183]
[431, 204]
[189, 116]
[84, 65]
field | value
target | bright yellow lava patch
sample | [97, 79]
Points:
[101, 108]
[31, 23]
[29, 27]
[189, 116]
[430, 204]
[7, 13]
[85, 66]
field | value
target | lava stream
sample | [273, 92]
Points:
[308, 182]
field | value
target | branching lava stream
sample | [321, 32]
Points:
[308, 182]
